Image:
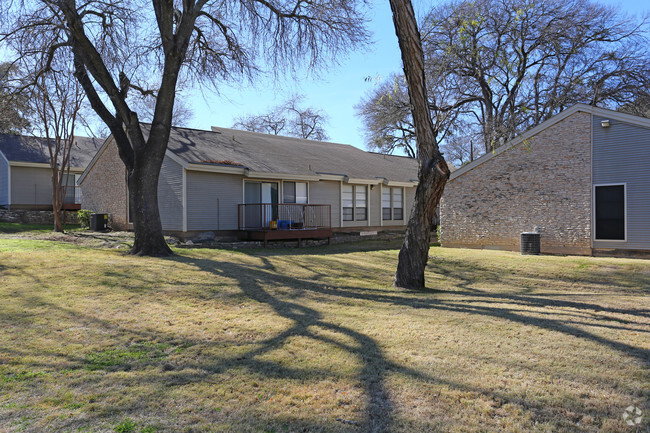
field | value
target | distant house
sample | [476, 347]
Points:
[25, 174]
[581, 179]
[244, 183]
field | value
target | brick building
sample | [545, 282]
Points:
[581, 179]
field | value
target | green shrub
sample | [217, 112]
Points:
[84, 218]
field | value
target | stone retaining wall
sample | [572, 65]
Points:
[35, 217]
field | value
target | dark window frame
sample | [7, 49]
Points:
[596, 211]
[295, 191]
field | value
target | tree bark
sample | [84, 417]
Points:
[432, 170]
[142, 158]
[143, 202]
[56, 198]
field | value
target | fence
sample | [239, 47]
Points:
[286, 216]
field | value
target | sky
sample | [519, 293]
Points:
[335, 91]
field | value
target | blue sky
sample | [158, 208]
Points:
[335, 91]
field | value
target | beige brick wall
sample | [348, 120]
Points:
[544, 182]
[104, 189]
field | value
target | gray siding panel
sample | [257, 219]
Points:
[327, 192]
[409, 200]
[170, 195]
[621, 154]
[4, 181]
[374, 205]
[31, 186]
[212, 200]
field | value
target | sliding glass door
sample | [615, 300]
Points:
[263, 199]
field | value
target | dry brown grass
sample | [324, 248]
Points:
[317, 340]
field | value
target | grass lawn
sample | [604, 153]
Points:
[317, 340]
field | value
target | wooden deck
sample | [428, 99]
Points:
[278, 235]
[285, 221]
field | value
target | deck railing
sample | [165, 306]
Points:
[72, 195]
[285, 216]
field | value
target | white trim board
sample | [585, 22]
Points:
[46, 165]
[593, 211]
[4, 157]
[93, 161]
[8, 179]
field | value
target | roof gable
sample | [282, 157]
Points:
[623, 117]
[21, 148]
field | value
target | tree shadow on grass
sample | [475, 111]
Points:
[258, 283]
[470, 273]
[254, 281]
[305, 322]
[250, 275]
[359, 246]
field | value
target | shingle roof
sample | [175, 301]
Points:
[287, 155]
[20, 148]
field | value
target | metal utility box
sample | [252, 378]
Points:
[530, 243]
[98, 222]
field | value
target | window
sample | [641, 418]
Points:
[610, 212]
[354, 202]
[347, 202]
[386, 211]
[398, 213]
[294, 192]
[391, 203]
[360, 205]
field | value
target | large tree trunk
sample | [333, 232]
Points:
[143, 202]
[433, 171]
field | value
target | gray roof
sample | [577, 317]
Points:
[21, 148]
[287, 155]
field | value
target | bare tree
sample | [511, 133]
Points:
[432, 168]
[463, 144]
[288, 119]
[14, 107]
[386, 114]
[56, 103]
[127, 46]
[505, 66]
[639, 107]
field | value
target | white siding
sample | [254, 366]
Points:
[621, 154]
[327, 192]
[4, 181]
[31, 186]
[212, 200]
[170, 195]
